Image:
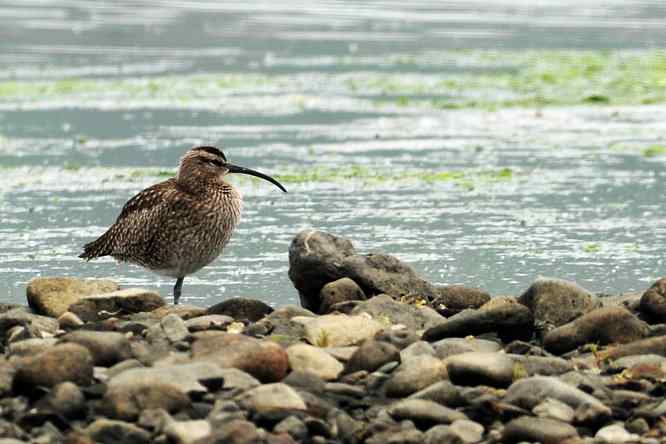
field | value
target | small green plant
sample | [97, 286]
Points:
[654, 151]
[592, 247]
[324, 339]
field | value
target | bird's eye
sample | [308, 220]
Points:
[214, 162]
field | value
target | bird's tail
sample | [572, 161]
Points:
[97, 248]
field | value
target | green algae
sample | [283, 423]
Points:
[654, 151]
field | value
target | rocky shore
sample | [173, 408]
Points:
[375, 354]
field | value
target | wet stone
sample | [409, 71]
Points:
[415, 374]
[653, 301]
[456, 298]
[442, 392]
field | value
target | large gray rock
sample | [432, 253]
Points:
[63, 362]
[656, 345]
[527, 393]
[390, 312]
[317, 258]
[454, 346]
[415, 374]
[270, 398]
[481, 368]
[442, 392]
[338, 330]
[189, 378]
[509, 319]
[653, 301]
[371, 355]
[187, 432]
[126, 399]
[543, 430]
[20, 317]
[51, 296]
[102, 306]
[107, 348]
[607, 325]
[556, 301]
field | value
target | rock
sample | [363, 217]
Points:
[170, 330]
[304, 357]
[391, 313]
[67, 399]
[656, 345]
[371, 355]
[338, 330]
[19, 316]
[529, 392]
[235, 431]
[189, 378]
[7, 372]
[481, 368]
[416, 349]
[208, 322]
[235, 379]
[400, 338]
[102, 306]
[126, 399]
[317, 258]
[616, 434]
[265, 360]
[63, 362]
[280, 327]
[69, 320]
[543, 430]
[442, 434]
[442, 392]
[454, 346]
[268, 398]
[629, 362]
[183, 311]
[508, 319]
[51, 296]
[468, 431]
[341, 290]
[424, 413]
[294, 427]
[408, 436]
[415, 374]
[241, 309]
[605, 325]
[31, 347]
[554, 409]
[342, 354]
[107, 348]
[541, 365]
[187, 432]
[106, 431]
[456, 298]
[556, 301]
[653, 301]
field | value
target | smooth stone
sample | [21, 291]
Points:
[442, 392]
[235, 379]
[341, 290]
[63, 362]
[7, 373]
[317, 258]
[616, 434]
[453, 346]
[305, 357]
[628, 362]
[189, 378]
[653, 301]
[415, 374]
[529, 392]
[509, 319]
[655, 345]
[607, 325]
[169, 330]
[127, 400]
[556, 301]
[342, 354]
[293, 426]
[31, 347]
[107, 348]
[234, 431]
[453, 299]
[265, 360]
[51, 296]
[390, 312]
[554, 409]
[102, 306]
[543, 430]
[409, 436]
[106, 431]
[19, 316]
[242, 309]
[442, 434]
[183, 311]
[338, 330]
[187, 432]
[371, 355]
[481, 368]
[541, 365]
[69, 320]
[122, 366]
[469, 432]
[419, 348]
[400, 338]
[208, 322]
[67, 399]
[270, 398]
[423, 413]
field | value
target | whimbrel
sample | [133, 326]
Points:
[178, 226]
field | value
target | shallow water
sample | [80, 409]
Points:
[395, 124]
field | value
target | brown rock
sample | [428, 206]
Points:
[543, 430]
[126, 401]
[107, 348]
[184, 311]
[653, 301]
[606, 325]
[656, 345]
[64, 362]
[341, 290]
[102, 306]
[456, 298]
[556, 301]
[241, 309]
[264, 360]
[51, 296]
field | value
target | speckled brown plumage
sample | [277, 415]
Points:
[178, 226]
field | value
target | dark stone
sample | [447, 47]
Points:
[317, 258]
[389, 311]
[508, 319]
[241, 309]
[423, 413]
[543, 430]
[106, 431]
[107, 348]
[103, 306]
[64, 362]
[371, 355]
[442, 392]
[605, 325]
[68, 400]
[235, 431]
[342, 290]
[481, 368]
[556, 301]
[653, 301]
[456, 298]
[400, 338]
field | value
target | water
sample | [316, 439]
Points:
[350, 103]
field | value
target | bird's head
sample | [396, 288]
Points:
[208, 164]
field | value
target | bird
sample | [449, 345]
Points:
[180, 225]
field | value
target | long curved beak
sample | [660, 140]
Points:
[242, 170]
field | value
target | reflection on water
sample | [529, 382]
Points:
[344, 101]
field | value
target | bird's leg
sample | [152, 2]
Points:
[176, 290]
